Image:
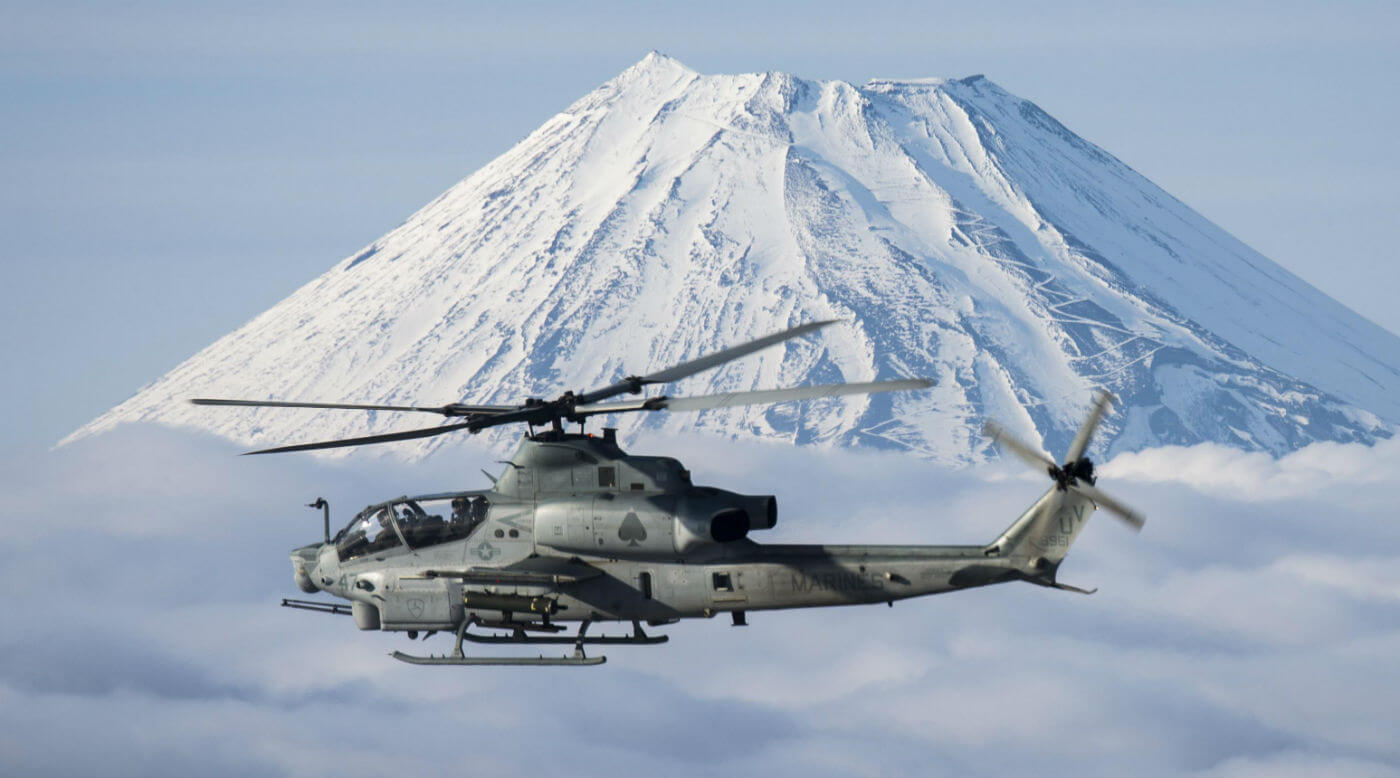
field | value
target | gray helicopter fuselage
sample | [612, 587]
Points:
[577, 530]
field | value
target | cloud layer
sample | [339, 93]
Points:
[1253, 628]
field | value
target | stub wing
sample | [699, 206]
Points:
[538, 570]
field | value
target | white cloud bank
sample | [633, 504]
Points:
[1251, 629]
[1218, 470]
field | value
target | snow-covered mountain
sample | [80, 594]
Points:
[964, 234]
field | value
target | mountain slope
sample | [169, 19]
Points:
[964, 233]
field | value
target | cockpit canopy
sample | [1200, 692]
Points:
[419, 521]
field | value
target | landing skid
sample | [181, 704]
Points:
[535, 661]
[457, 657]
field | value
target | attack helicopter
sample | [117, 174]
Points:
[575, 531]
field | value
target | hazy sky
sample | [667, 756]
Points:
[170, 169]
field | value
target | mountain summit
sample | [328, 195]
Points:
[963, 233]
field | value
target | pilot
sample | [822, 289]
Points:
[473, 513]
[379, 531]
[460, 507]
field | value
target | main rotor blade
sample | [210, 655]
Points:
[1128, 515]
[386, 438]
[452, 409]
[1102, 401]
[706, 402]
[700, 364]
[732, 399]
[1000, 437]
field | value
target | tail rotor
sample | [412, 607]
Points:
[1076, 474]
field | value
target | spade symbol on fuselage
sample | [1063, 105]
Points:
[631, 530]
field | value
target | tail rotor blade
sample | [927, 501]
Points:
[1131, 517]
[1102, 401]
[1015, 445]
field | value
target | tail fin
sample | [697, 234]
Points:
[1037, 542]
[1043, 534]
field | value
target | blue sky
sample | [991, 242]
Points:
[171, 170]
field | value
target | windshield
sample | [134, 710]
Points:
[370, 532]
[423, 523]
